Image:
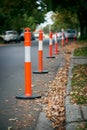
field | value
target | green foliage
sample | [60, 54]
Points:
[83, 37]
[79, 84]
[16, 14]
[78, 7]
[80, 51]
[65, 20]
[46, 29]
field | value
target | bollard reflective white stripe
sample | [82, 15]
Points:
[50, 41]
[62, 37]
[56, 45]
[27, 54]
[40, 45]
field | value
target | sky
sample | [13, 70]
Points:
[48, 20]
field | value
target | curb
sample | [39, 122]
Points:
[43, 123]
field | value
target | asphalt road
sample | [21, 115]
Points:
[12, 64]
[12, 80]
[21, 114]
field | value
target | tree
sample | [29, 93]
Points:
[65, 20]
[79, 7]
[16, 14]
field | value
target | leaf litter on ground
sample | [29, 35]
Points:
[55, 100]
[55, 110]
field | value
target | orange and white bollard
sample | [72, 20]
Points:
[27, 68]
[56, 45]
[63, 40]
[67, 38]
[40, 55]
[50, 47]
[75, 38]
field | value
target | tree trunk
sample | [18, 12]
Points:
[83, 26]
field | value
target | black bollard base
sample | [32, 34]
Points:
[42, 72]
[50, 57]
[27, 97]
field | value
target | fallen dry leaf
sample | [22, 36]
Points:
[55, 109]
[55, 99]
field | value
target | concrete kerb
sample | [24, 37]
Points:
[75, 114]
[43, 123]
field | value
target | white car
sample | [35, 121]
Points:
[59, 34]
[36, 35]
[10, 35]
[71, 34]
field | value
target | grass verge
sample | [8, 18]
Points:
[82, 126]
[81, 51]
[79, 79]
[79, 84]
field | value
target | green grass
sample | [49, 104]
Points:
[79, 79]
[79, 84]
[82, 126]
[80, 51]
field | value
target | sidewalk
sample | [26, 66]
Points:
[75, 114]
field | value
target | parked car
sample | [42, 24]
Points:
[71, 34]
[21, 37]
[10, 36]
[59, 34]
[36, 34]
